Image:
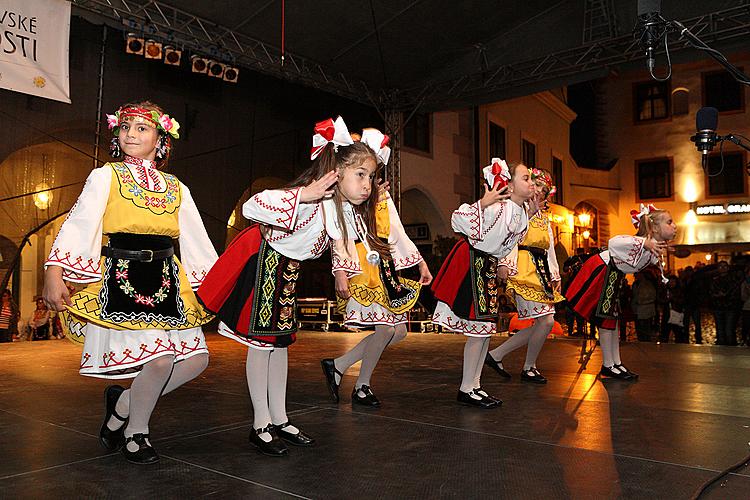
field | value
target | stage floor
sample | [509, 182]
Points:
[576, 437]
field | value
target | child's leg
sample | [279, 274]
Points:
[144, 393]
[382, 338]
[278, 369]
[256, 369]
[519, 339]
[477, 383]
[542, 327]
[356, 353]
[473, 350]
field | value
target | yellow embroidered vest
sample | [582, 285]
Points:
[131, 208]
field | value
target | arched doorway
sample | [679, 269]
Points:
[591, 224]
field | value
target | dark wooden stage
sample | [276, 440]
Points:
[577, 437]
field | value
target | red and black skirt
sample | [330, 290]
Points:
[467, 283]
[252, 289]
[594, 292]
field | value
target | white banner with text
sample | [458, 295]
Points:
[34, 37]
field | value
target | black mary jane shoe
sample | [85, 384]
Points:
[482, 393]
[109, 439]
[330, 371]
[299, 439]
[498, 367]
[533, 375]
[623, 368]
[273, 448]
[480, 402]
[369, 398]
[146, 453]
[614, 372]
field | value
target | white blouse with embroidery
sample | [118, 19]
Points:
[344, 256]
[495, 230]
[295, 229]
[77, 248]
[630, 255]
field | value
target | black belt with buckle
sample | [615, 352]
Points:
[139, 255]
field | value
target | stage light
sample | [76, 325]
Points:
[134, 44]
[153, 49]
[708, 257]
[172, 56]
[215, 69]
[231, 74]
[199, 64]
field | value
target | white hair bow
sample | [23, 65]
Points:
[496, 174]
[330, 131]
[378, 142]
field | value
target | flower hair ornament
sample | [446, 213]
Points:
[539, 174]
[636, 216]
[497, 174]
[162, 122]
[378, 142]
[330, 131]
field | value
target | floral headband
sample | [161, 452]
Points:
[162, 122]
[497, 174]
[378, 142]
[539, 174]
[330, 131]
[636, 216]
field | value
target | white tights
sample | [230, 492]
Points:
[369, 350]
[533, 336]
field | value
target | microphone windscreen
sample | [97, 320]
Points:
[649, 7]
[707, 119]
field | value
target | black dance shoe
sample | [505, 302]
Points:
[330, 371]
[482, 393]
[615, 372]
[299, 439]
[533, 375]
[480, 402]
[623, 368]
[369, 398]
[112, 440]
[273, 448]
[490, 361]
[146, 453]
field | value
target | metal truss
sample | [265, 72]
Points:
[719, 26]
[394, 123]
[598, 20]
[168, 24]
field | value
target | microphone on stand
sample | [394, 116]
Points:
[706, 123]
[649, 16]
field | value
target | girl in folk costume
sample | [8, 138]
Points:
[139, 315]
[369, 289]
[252, 287]
[534, 285]
[594, 291]
[467, 285]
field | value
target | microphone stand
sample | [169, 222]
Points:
[697, 43]
[736, 140]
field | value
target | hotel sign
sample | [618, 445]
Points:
[725, 209]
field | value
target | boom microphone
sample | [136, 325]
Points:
[649, 15]
[706, 123]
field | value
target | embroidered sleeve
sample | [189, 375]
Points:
[629, 254]
[276, 207]
[78, 246]
[197, 253]
[510, 261]
[554, 267]
[344, 257]
[468, 220]
[403, 251]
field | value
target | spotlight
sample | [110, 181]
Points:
[231, 74]
[134, 44]
[153, 49]
[215, 69]
[199, 64]
[172, 56]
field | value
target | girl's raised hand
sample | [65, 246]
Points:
[492, 196]
[658, 248]
[320, 188]
[383, 188]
